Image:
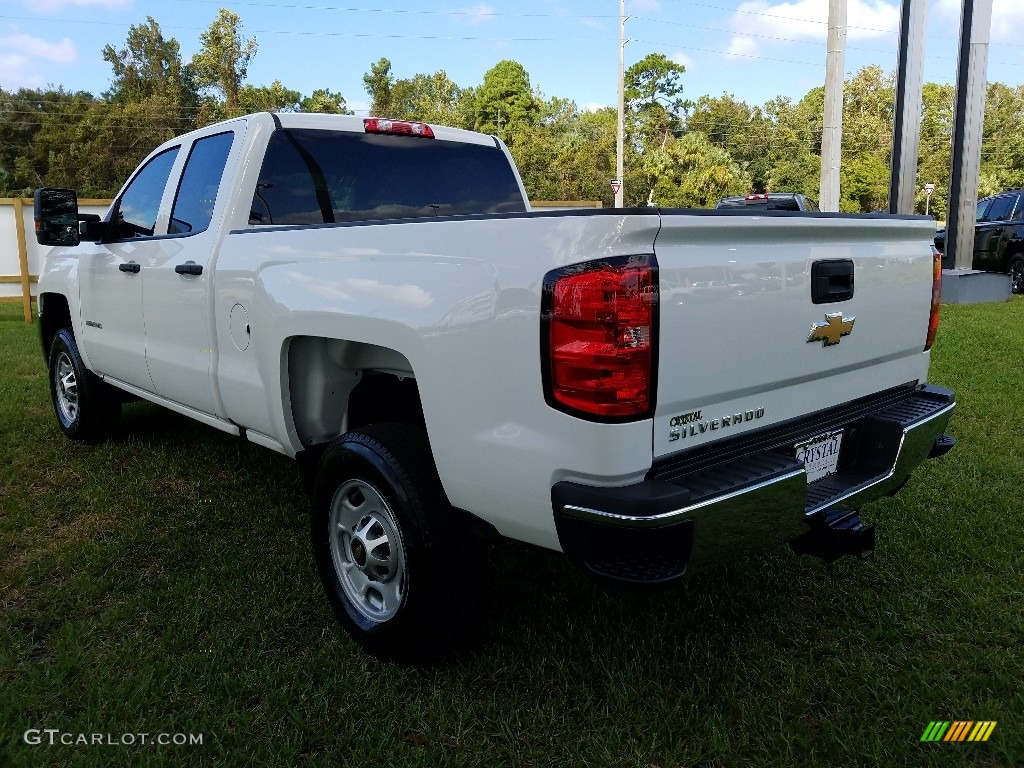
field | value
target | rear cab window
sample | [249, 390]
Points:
[322, 177]
[200, 181]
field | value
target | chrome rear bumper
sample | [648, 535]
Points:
[750, 493]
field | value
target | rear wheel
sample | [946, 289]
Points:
[1017, 274]
[402, 575]
[86, 407]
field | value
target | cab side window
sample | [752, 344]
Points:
[1001, 208]
[197, 192]
[136, 212]
[1018, 213]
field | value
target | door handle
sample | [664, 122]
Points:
[131, 266]
[189, 268]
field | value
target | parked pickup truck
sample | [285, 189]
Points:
[376, 299]
[770, 201]
[998, 237]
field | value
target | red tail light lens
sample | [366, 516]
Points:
[933, 317]
[599, 332]
[400, 127]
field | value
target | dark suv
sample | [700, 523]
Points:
[998, 237]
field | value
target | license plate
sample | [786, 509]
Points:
[820, 455]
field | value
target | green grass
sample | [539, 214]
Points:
[162, 581]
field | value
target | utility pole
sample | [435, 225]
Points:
[968, 119]
[906, 132]
[620, 138]
[832, 135]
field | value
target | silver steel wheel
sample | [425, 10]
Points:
[367, 550]
[66, 386]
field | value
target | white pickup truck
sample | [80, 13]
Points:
[648, 391]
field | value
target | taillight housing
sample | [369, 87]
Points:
[400, 127]
[933, 316]
[599, 333]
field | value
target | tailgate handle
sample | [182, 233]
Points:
[130, 266]
[831, 281]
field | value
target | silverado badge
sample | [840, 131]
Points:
[832, 330]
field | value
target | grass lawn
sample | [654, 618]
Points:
[162, 582]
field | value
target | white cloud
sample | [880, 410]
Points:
[594, 106]
[18, 72]
[1007, 19]
[477, 15]
[741, 47]
[761, 22]
[62, 52]
[681, 58]
[51, 6]
[22, 58]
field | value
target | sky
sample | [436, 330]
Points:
[755, 50]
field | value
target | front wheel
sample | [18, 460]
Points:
[402, 575]
[86, 407]
[1017, 274]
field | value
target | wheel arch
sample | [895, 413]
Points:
[54, 314]
[335, 385]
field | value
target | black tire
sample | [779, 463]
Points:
[1016, 271]
[404, 577]
[86, 407]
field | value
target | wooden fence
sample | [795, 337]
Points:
[26, 257]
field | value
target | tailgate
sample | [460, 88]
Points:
[736, 311]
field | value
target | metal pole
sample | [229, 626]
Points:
[620, 138]
[832, 134]
[968, 119]
[906, 133]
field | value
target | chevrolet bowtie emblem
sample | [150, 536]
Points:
[832, 330]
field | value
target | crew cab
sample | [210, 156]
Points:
[998, 237]
[376, 299]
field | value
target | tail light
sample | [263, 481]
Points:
[933, 316]
[400, 127]
[599, 338]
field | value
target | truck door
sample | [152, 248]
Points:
[111, 276]
[179, 348]
[988, 233]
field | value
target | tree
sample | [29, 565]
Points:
[429, 98]
[223, 61]
[653, 96]
[378, 83]
[691, 172]
[504, 103]
[325, 101]
[148, 65]
[740, 129]
[566, 155]
[269, 98]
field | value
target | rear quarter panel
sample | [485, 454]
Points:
[460, 299]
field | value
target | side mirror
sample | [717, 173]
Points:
[56, 216]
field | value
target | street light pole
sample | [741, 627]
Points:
[620, 139]
[832, 133]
